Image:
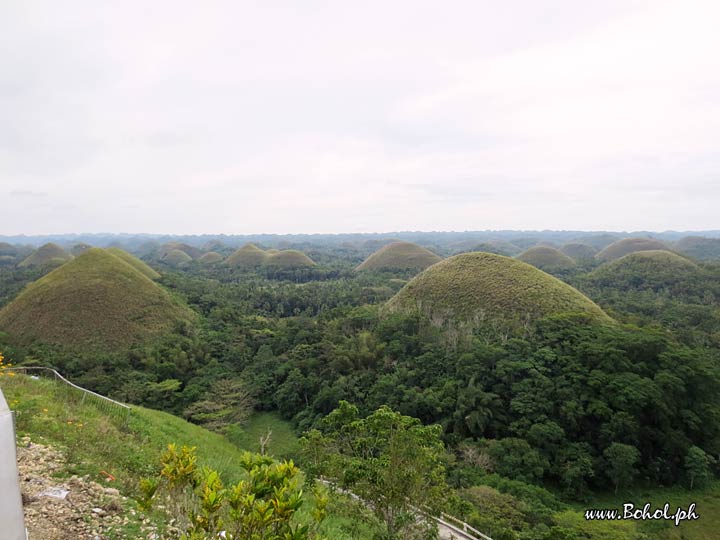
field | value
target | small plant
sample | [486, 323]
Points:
[262, 506]
[4, 366]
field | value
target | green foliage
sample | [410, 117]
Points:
[392, 462]
[261, 506]
[227, 402]
[515, 458]
[697, 465]
[622, 461]
[400, 256]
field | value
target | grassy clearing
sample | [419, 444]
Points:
[283, 440]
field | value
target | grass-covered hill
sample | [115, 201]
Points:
[47, 255]
[546, 258]
[699, 247]
[134, 262]
[95, 302]
[400, 256]
[289, 258]
[191, 251]
[211, 257]
[176, 257]
[251, 256]
[579, 251]
[629, 245]
[644, 270]
[489, 293]
[248, 256]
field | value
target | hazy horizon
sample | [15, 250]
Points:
[286, 118]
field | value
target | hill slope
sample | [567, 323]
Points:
[134, 262]
[546, 258]
[48, 254]
[644, 270]
[400, 256]
[579, 251]
[289, 258]
[629, 245]
[247, 256]
[96, 301]
[176, 257]
[699, 247]
[211, 257]
[490, 293]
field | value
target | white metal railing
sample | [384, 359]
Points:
[11, 509]
[456, 528]
[107, 405]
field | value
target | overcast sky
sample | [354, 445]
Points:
[338, 116]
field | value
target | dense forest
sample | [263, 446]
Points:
[530, 420]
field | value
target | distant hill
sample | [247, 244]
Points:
[134, 262]
[495, 295]
[176, 257]
[498, 247]
[247, 256]
[546, 258]
[289, 258]
[578, 251]
[47, 255]
[211, 257]
[77, 249]
[189, 250]
[7, 250]
[699, 247]
[629, 245]
[96, 301]
[644, 270]
[400, 256]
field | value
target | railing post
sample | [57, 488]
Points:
[11, 510]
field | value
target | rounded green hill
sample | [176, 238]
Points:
[247, 256]
[189, 250]
[211, 257]
[579, 251]
[289, 258]
[176, 257]
[47, 255]
[400, 256]
[96, 301]
[491, 294]
[134, 262]
[629, 245]
[644, 270]
[546, 258]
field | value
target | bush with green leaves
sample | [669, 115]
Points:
[262, 506]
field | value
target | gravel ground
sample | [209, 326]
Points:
[88, 510]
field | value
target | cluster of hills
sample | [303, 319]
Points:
[251, 256]
[107, 297]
